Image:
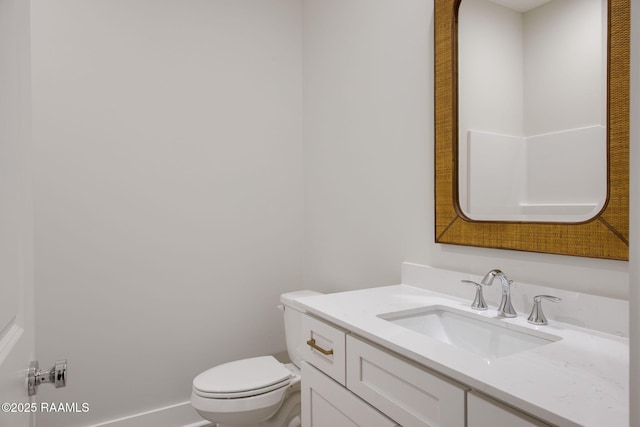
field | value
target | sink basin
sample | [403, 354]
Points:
[488, 337]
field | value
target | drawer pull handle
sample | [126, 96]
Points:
[312, 343]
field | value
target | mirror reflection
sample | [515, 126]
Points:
[532, 138]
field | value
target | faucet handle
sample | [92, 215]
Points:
[537, 316]
[478, 302]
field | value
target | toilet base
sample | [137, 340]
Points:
[287, 416]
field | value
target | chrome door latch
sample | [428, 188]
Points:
[57, 376]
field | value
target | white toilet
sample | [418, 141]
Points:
[259, 391]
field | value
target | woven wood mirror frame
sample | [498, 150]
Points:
[604, 236]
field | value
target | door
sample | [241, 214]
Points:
[409, 393]
[325, 403]
[16, 219]
[482, 411]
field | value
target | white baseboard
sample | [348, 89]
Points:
[179, 415]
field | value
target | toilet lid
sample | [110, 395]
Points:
[242, 376]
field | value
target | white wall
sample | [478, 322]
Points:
[491, 74]
[534, 72]
[368, 119]
[490, 87]
[564, 44]
[369, 157]
[168, 150]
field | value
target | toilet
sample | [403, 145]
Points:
[259, 391]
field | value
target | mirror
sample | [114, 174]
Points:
[594, 226]
[532, 109]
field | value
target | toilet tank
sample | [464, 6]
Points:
[293, 323]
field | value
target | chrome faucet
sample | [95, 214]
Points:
[505, 309]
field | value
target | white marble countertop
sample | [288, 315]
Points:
[580, 380]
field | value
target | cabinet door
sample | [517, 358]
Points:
[325, 403]
[411, 394]
[483, 412]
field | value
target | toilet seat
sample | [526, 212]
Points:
[242, 378]
[218, 395]
[241, 394]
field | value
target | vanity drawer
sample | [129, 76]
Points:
[409, 394]
[324, 347]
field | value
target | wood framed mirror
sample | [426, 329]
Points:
[605, 235]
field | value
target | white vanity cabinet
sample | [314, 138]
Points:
[483, 412]
[375, 382]
[347, 381]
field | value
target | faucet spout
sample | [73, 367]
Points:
[487, 280]
[505, 309]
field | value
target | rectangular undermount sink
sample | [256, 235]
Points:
[488, 337]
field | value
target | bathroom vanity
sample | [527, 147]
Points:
[405, 356]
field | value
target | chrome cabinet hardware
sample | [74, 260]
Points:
[57, 376]
[478, 302]
[312, 343]
[537, 317]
